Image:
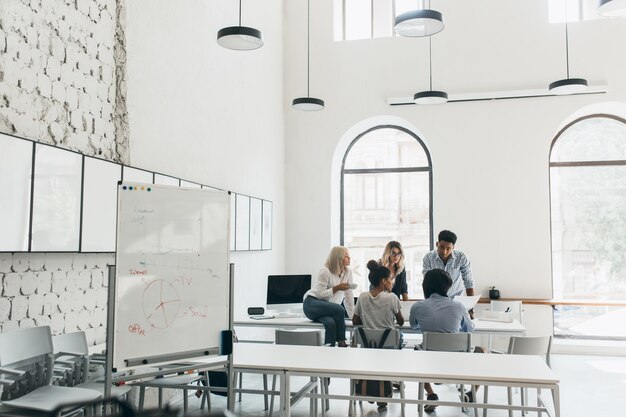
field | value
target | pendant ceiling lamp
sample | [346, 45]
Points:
[567, 85]
[430, 96]
[418, 23]
[240, 38]
[612, 8]
[308, 103]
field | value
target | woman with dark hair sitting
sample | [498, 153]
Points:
[438, 313]
[378, 308]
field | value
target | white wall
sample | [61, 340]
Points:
[212, 115]
[490, 159]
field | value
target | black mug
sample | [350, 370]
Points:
[494, 294]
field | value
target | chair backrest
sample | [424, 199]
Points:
[28, 350]
[298, 337]
[512, 307]
[540, 345]
[74, 343]
[373, 338]
[20, 345]
[447, 342]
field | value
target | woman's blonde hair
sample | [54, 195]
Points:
[334, 262]
[386, 259]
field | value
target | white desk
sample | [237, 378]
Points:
[406, 365]
[481, 326]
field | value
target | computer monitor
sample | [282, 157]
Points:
[285, 292]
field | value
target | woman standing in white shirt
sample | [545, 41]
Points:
[322, 303]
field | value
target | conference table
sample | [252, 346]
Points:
[405, 365]
[481, 326]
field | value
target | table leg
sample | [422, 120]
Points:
[420, 396]
[285, 395]
[557, 401]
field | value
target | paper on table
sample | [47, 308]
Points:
[468, 301]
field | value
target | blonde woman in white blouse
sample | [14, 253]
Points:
[322, 303]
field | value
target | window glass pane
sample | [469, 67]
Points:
[589, 231]
[407, 5]
[557, 10]
[358, 19]
[338, 20]
[383, 21]
[589, 247]
[383, 207]
[595, 139]
[386, 148]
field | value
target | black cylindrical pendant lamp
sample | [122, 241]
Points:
[308, 104]
[430, 97]
[612, 8]
[568, 86]
[417, 23]
[240, 38]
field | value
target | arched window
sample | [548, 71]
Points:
[588, 220]
[386, 194]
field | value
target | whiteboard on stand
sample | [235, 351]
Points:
[171, 284]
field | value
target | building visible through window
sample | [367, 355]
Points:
[386, 194]
[588, 217]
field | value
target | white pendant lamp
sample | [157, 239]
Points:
[308, 103]
[240, 38]
[567, 85]
[419, 23]
[612, 8]
[430, 96]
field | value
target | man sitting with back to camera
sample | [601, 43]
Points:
[438, 313]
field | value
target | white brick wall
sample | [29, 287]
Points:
[58, 75]
[64, 291]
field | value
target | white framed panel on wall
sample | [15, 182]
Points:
[56, 200]
[160, 179]
[100, 180]
[188, 184]
[267, 225]
[242, 228]
[256, 221]
[137, 175]
[16, 162]
[233, 220]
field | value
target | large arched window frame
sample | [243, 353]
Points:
[374, 202]
[588, 219]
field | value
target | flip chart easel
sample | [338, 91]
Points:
[170, 293]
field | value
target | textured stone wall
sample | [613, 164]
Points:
[58, 74]
[59, 85]
[64, 291]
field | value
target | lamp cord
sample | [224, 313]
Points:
[308, 45]
[566, 42]
[430, 62]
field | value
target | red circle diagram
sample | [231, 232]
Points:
[160, 303]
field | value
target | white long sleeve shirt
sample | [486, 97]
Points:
[322, 289]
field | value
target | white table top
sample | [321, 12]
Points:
[481, 326]
[400, 364]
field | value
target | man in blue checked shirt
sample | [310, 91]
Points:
[453, 262]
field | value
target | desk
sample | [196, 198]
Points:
[480, 326]
[407, 365]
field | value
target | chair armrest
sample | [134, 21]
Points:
[6, 381]
[74, 354]
[10, 371]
